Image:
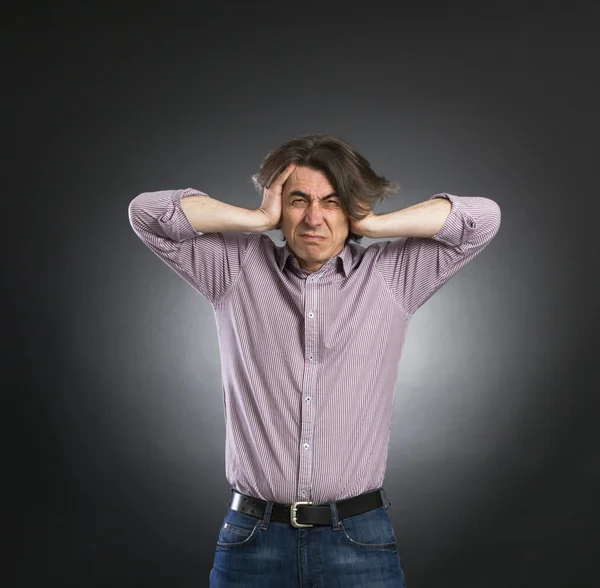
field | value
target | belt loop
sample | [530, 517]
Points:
[385, 499]
[267, 516]
[335, 523]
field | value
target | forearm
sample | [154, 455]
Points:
[423, 219]
[208, 215]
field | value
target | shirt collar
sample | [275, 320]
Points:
[345, 255]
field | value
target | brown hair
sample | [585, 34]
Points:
[350, 174]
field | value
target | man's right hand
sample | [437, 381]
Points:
[271, 205]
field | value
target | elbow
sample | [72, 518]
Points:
[136, 212]
[133, 212]
[493, 220]
[495, 217]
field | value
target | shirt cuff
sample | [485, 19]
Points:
[174, 222]
[459, 224]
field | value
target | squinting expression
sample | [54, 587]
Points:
[308, 206]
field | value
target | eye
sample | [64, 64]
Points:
[334, 202]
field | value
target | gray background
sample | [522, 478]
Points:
[115, 422]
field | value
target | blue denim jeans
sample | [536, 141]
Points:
[356, 552]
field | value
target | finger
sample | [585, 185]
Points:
[285, 174]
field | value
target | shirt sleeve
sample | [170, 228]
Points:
[414, 268]
[209, 262]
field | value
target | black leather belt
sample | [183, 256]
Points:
[304, 513]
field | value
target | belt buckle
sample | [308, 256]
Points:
[293, 512]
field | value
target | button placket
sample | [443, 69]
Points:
[307, 418]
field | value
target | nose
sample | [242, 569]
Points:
[314, 214]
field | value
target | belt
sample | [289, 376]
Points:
[303, 513]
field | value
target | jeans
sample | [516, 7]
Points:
[357, 552]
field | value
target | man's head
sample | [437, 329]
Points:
[311, 206]
[326, 165]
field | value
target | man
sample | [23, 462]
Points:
[310, 336]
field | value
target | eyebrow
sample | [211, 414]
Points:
[300, 193]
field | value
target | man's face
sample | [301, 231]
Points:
[306, 209]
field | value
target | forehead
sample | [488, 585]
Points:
[311, 181]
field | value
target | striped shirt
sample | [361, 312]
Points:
[309, 361]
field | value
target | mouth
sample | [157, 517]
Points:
[312, 237]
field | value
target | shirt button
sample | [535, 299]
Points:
[303, 493]
[308, 399]
[306, 446]
[310, 314]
